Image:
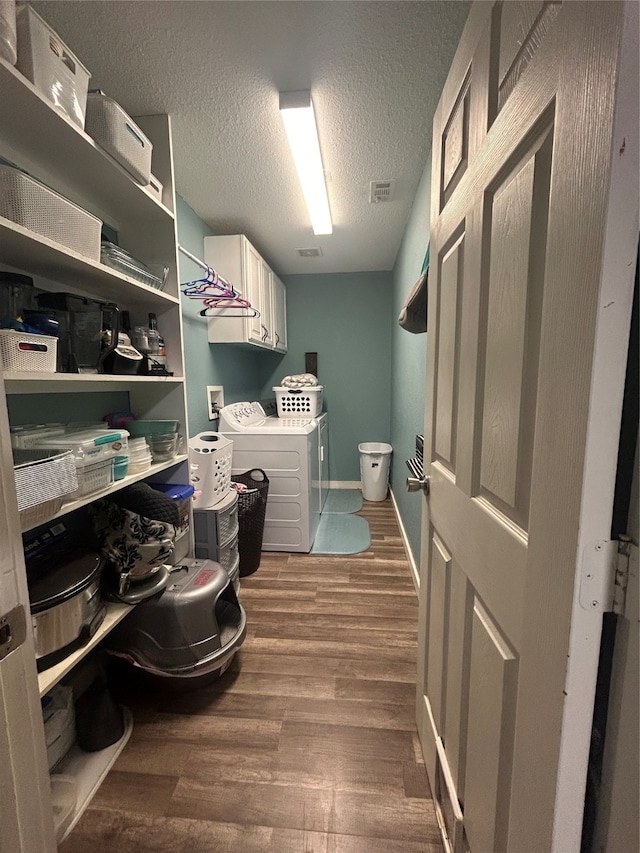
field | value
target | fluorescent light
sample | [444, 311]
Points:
[300, 125]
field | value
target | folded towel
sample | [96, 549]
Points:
[413, 316]
[300, 380]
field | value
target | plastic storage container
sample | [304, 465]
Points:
[119, 135]
[94, 453]
[181, 494]
[59, 722]
[26, 352]
[216, 535]
[374, 469]
[53, 69]
[34, 206]
[210, 467]
[299, 402]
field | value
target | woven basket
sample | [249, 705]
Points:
[252, 508]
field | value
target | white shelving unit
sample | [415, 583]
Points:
[41, 140]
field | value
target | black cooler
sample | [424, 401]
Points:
[191, 629]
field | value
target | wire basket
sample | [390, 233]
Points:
[43, 480]
[299, 402]
[252, 508]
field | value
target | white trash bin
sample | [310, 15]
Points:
[374, 469]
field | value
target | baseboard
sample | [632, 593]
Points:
[415, 571]
[345, 484]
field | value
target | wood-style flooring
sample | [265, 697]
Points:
[307, 744]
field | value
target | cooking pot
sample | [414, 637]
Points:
[66, 608]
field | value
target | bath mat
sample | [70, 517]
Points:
[343, 500]
[341, 534]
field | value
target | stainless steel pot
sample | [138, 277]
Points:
[66, 608]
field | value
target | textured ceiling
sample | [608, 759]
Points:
[375, 70]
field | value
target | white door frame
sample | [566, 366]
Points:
[592, 594]
[26, 817]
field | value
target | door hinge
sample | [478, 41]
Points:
[13, 630]
[604, 576]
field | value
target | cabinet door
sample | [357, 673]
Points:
[253, 287]
[266, 306]
[279, 313]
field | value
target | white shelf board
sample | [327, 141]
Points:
[25, 249]
[90, 768]
[48, 678]
[83, 172]
[27, 382]
[114, 487]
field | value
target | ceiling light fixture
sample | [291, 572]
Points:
[300, 125]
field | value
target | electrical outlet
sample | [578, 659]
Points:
[215, 401]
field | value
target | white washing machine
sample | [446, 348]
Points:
[293, 453]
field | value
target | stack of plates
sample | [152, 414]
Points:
[118, 259]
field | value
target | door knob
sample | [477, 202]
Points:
[414, 484]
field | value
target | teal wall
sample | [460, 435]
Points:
[241, 372]
[408, 360]
[344, 317]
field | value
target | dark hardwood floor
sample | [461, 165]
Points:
[307, 744]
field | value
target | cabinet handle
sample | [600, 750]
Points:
[266, 332]
[277, 339]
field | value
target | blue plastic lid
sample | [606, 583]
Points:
[175, 491]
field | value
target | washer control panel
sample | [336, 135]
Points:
[238, 416]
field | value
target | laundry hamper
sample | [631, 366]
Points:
[252, 508]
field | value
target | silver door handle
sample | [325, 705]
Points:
[414, 484]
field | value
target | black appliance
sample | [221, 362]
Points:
[81, 323]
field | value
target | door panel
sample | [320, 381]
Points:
[492, 708]
[520, 209]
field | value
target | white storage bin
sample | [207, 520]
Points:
[44, 479]
[8, 35]
[299, 402]
[31, 353]
[119, 135]
[34, 206]
[59, 722]
[52, 68]
[155, 187]
[26, 436]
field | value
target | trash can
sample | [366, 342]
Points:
[374, 469]
[252, 508]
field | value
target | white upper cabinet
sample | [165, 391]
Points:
[279, 314]
[235, 259]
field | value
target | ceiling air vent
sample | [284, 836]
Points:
[310, 253]
[381, 191]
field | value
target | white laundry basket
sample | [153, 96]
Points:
[374, 469]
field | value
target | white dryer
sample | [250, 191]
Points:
[293, 454]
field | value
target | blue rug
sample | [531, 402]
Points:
[343, 500]
[341, 534]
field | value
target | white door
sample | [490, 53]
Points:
[253, 282]
[534, 228]
[26, 823]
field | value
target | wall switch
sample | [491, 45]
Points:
[215, 401]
